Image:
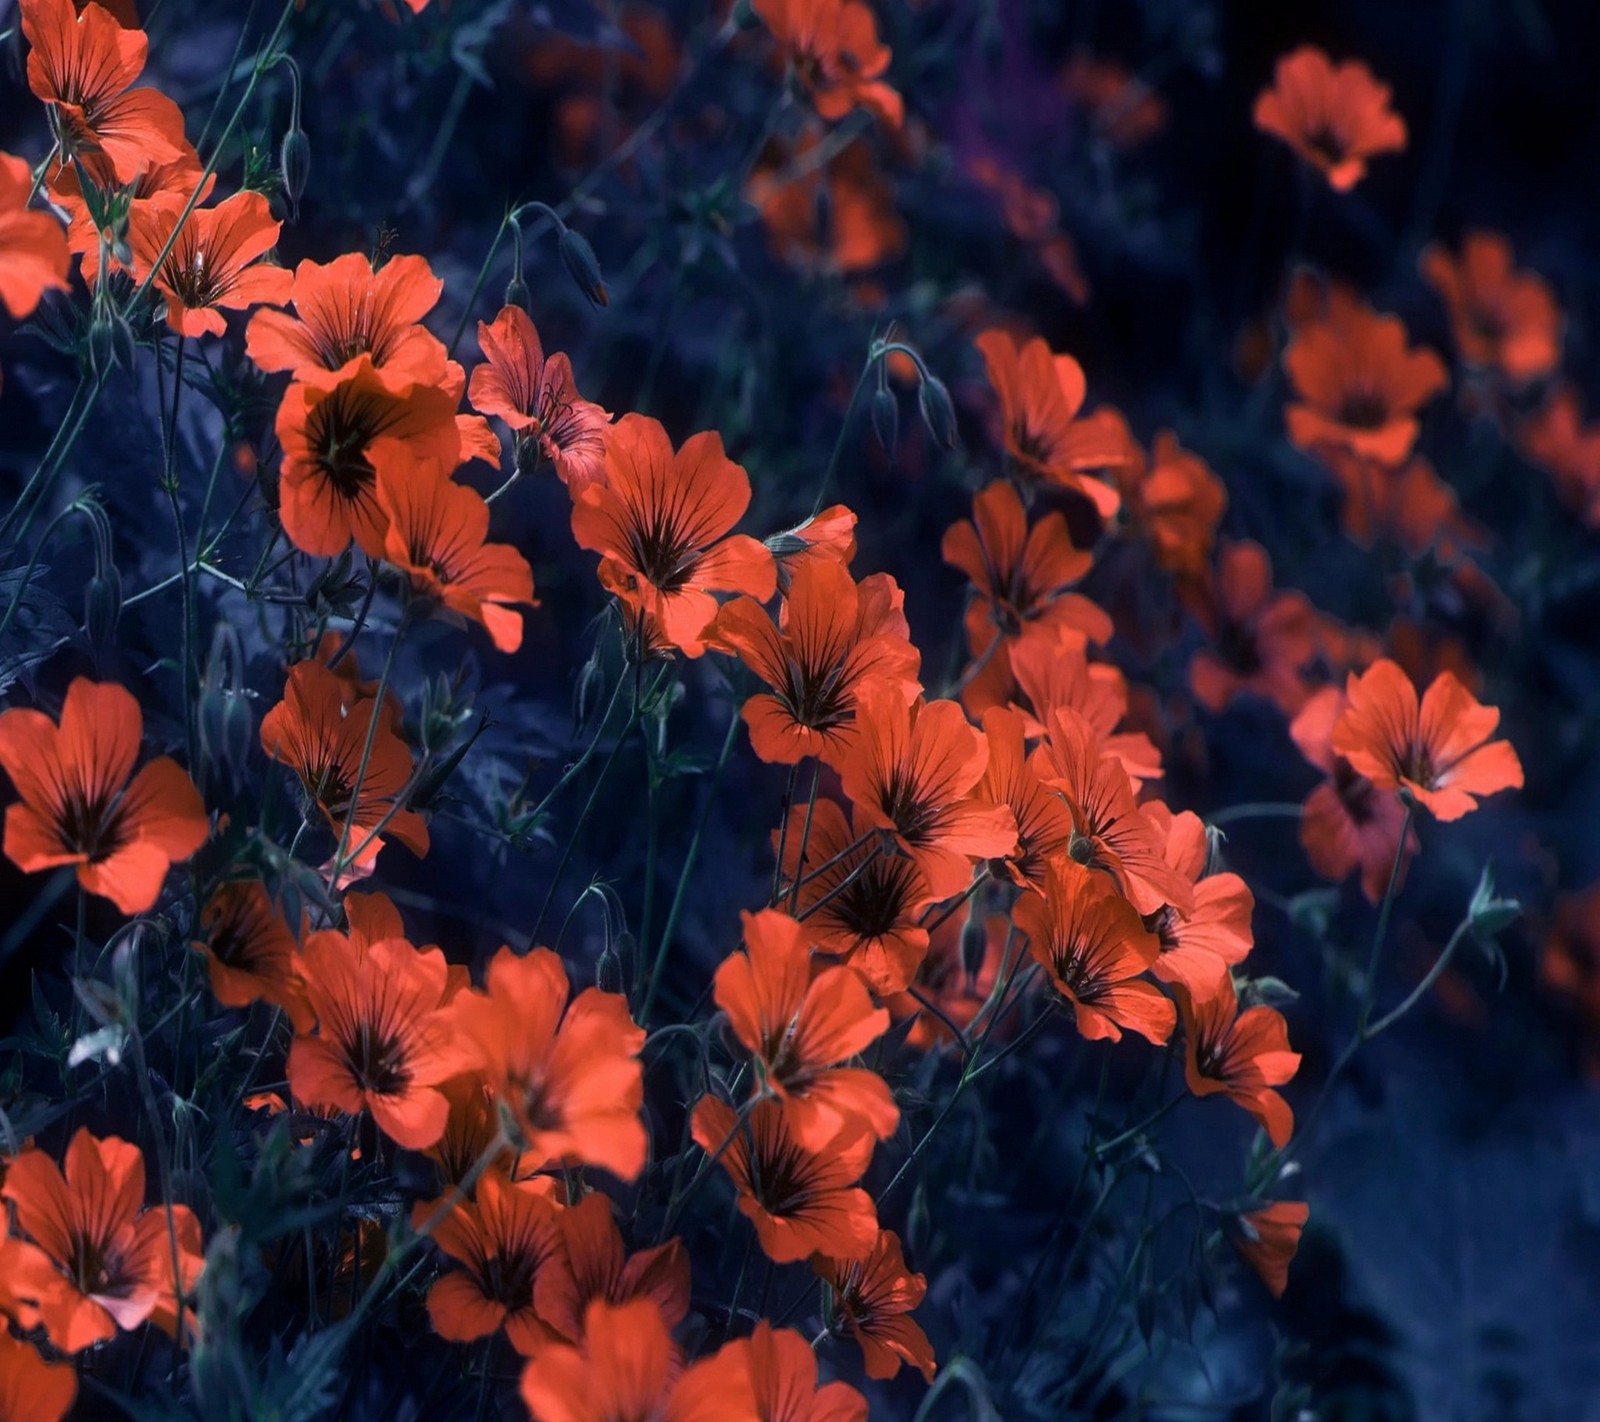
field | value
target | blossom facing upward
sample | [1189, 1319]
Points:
[343, 310]
[82, 804]
[1359, 385]
[1439, 748]
[663, 525]
[214, 265]
[1503, 319]
[1334, 116]
[1241, 1055]
[99, 1260]
[436, 536]
[800, 1027]
[834, 48]
[1041, 396]
[537, 397]
[833, 635]
[568, 1074]
[1269, 1238]
[83, 64]
[875, 1297]
[33, 246]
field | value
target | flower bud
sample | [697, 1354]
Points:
[517, 292]
[886, 418]
[938, 413]
[528, 454]
[583, 266]
[608, 971]
[974, 943]
[294, 166]
[110, 342]
[102, 607]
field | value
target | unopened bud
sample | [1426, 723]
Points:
[974, 943]
[102, 607]
[583, 266]
[886, 418]
[110, 342]
[938, 413]
[517, 292]
[608, 970]
[528, 455]
[294, 166]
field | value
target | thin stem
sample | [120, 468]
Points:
[377, 703]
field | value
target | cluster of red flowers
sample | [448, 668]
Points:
[1023, 808]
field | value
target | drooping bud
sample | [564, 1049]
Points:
[974, 943]
[583, 266]
[938, 412]
[517, 293]
[110, 341]
[102, 608]
[294, 167]
[886, 418]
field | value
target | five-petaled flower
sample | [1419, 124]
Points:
[1334, 116]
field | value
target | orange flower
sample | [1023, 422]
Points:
[1126, 110]
[1090, 941]
[1346, 823]
[1439, 750]
[572, 1083]
[33, 247]
[383, 1044]
[1242, 1055]
[344, 310]
[833, 47]
[82, 66]
[1503, 319]
[435, 535]
[1556, 438]
[832, 636]
[1411, 504]
[913, 771]
[328, 492]
[858, 904]
[213, 265]
[538, 398]
[471, 1125]
[1198, 948]
[79, 806]
[783, 1376]
[1110, 831]
[313, 733]
[629, 1370]
[602, 1270]
[663, 525]
[1044, 824]
[944, 978]
[829, 536]
[32, 1390]
[1261, 642]
[800, 1203]
[875, 1297]
[1269, 1239]
[514, 1273]
[1175, 503]
[1334, 117]
[1359, 385]
[1020, 577]
[1040, 398]
[862, 229]
[102, 1261]
[250, 952]
[799, 1028]
[178, 178]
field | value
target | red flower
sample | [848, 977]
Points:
[1040, 398]
[1411, 504]
[944, 978]
[213, 265]
[82, 66]
[344, 310]
[858, 903]
[663, 525]
[1503, 319]
[832, 637]
[1269, 1239]
[783, 1376]
[79, 806]
[913, 771]
[1359, 385]
[602, 1270]
[1092, 944]
[568, 1074]
[383, 1045]
[538, 398]
[826, 537]
[32, 1390]
[102, 1261]
[875, 1296]
[1020, 578]
[1346, 823]
[1175, 503]
[435, 535]
[33, 247]
[1242, 1055]
[1261, 641]
[514, 1273]
[801, 1203]
[315, 735]
[1110, 831]
[177, 179]
[1439, 750]
[1334, 117]
[833, 46]
[1568, 450]
[799, 1028]
[1199, 947]
[1044, 824]
[251, 953]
